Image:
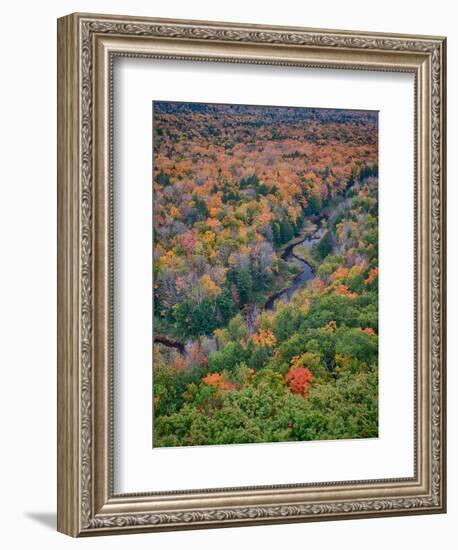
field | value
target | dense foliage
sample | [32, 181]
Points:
[234, 186]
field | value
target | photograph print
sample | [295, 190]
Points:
[265, 274]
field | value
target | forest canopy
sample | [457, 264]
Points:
[265, 274]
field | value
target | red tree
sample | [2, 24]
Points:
[298, 380]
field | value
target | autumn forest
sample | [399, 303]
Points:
[265, 266]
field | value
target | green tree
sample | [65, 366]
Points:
[324, 247]
[225, 305]
[201, 206]
[276, 233]
[286, 230]
[244, 284]
[227, 358]
[163, 179]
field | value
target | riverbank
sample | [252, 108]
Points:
[307, 230]
[305, 254]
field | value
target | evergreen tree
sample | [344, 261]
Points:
[324, 247]
[163, 179]
[276, 234]
[201, 206]
[244, 284]
[286, 230]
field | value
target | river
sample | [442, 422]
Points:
[305, 275]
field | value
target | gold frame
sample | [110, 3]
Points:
[87, 45]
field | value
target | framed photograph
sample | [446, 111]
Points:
[251, 290]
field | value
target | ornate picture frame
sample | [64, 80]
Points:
[87, 46]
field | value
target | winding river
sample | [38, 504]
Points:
[284, 295]
[169, 342]
[305, 275]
